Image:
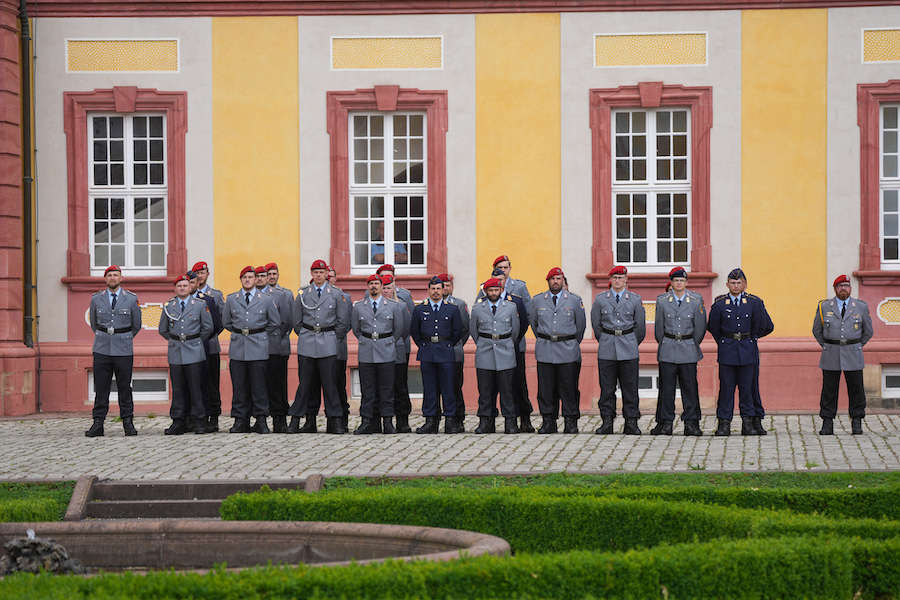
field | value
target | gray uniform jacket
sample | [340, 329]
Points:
[566, 318]
[404, 317]
[851, 333]
[280, 340]
[176, 327]
[628, 313]
[342, 340]
[212, 345]
[687, 322]
[459, 352]
[314, 314]
[378, 333]
[405, 297]
[518, 288]
[260, 314]
[494, 354]
[126, 319]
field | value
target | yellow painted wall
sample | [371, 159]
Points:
[255, 147]
[517, 147]
[783, 163]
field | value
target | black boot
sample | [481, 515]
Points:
[510, 425]
[570, 424]
[631, 427]
[214, 424]
[335, 425]
[747, 426]
[279, 424]
[827, 427]
[241, 426]
[486, 425]
[724, 428]
[663, 428]
[178, 427]
[201, 426]
[261, 425]
[294, 427]
[606, 427]
[856, 425]
[96, 429]
[128, 426]
[758, 426]
[403, 424]
[310, 425]
[461, 423]
[451, 425]
[345, 421]
[548, 425]
[692, 428]
[387, 425]
[431, 425]
[525, 425]
[376, 424]
[366, 427]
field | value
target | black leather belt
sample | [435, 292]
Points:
[376, 335]
[495, 336]
[680, 336]
[617, 331]
[183, 338]
[317, 329]
[434, 339]
[246, 331]
[556, 338]
[110, 330]
[738, 336]
[843, 342]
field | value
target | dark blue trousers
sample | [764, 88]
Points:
[741, 377]
[438, 377]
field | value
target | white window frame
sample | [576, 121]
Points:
[356, 387]
[651, 188]
[651, 393]
[388, 191]
[886, 184]
[138, 397]
[889, 371]
[128, 191]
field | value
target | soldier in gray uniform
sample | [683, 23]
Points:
[279, 349]
[402, 405]
[251, 317]
[558, 322]
[679, 328]
[186, 324]
[459, 348]
[340, 364]
[377, 324]
[842, 326]
[494, 326]
[213, 350]
[115, 317]
[321, 317]
[619, 324]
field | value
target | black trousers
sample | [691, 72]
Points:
[105, 366]
[520, 387]
[831, 381]
[458, 382]
[685, 374]
[276, 384]
[340, 381]
[625, 373]
[558, 382]
[402, 405]
[491, 383]
[187, 390]
[376, 381]
[248, 385]
[758, 409]
[316, 375]
[741, 377]
[211, 393]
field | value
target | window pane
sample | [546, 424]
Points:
[359, 126]
[100, 175]
[377, 206]
[376, 231]
[681, 227]
[141, 256]
[662, 169]
[360, 206]
[416, 173]
[115, 127]
[156, 150]
[140, 174]
[639, 204]
[890, 141]
[623, 228]
[680, 204]
[640, 252]
[640, 170]
[140, 150]
[99, 126]
[663, 201]
[376, 126]
[639, 145]
[623, 252]
[890, 117]
[890, 166]
[401, 254]
[416, 206]
[141, 232]
[640, 228]
[101, 208]
[100, 151]
[415, 125]
[890, 225]
[116, 150]
[662, 122]
[681, 254]
[117, 174]
[101, 256]
[157, 255]
[376, 147]
[140, 127]
[621, 145]
[680, 120]
[140, 208]
[359, 173]
[157, 231]
[679, 145]
[417, 254]
[892, 381]
[157, 208]
[415, 149]
[156, 126]
[416, 230]
[623, 203]
[361, 231]
[400, 206]
[890, 249]
[156, 174]
[662, 145]
[399, 149]
[117, 255]
[645, 383]
[360, 149]
[400, 231]
[663, 227]
[638, 122]
[680, 169]
[117, 208]
[399, 125]
[622, 122]
[377, 173]
[662, 252]
[622, 170]
[361, 254]
[101, 232]
[400, 175]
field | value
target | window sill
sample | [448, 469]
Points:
[355, 285]
[87, 283]
[650, 285]
[878, 277]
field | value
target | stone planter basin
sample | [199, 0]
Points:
[198, 544]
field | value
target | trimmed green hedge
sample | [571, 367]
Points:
[31, 509]
[817, 567]
[534, 521]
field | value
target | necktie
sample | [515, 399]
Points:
[375, 307]
[434, 307]
[554, 300]
[494, 309]
[247, 297]
[617, 298]
[113, 305]
[679, 302]
[182, 307]
[319, 290]
[843, 309]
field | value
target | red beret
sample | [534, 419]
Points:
[199, 265]
[500, 259]
[181, 278]
[318, 264]
[840, 279]
[677, 272]
[271, 267]
[443, 277]
[385, 267]
[554, 272]
[372, 278]
[387, 279]
[492, 282]
[618, 270]
[247, 269]
[112, 268]
[260, 270]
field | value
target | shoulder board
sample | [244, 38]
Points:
[720, 297]
[420, 303]
[201, 295]
[358, 302]
[513, 295]
[99, 292]
[130, 293]
[749, 295]
[661, 296]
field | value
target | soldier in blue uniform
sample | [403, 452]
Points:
[213, 349]
[436, 327]
[736, 320]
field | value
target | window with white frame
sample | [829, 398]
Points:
[889, 181]
[651, 187]
[388, 193]
[146, 386]
[890, 381]
[127, 190]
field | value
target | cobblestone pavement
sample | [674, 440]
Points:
[55, 448]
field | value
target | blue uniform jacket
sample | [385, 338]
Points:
[747, 317]
[214, 312]
[445, 326]
[523, 315]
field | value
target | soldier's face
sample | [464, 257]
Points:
[194, 285]
[113, 279]
[502, 279]
[202, 276]
[618, 282]
[272, 276]
[332, 277]
[493, 293]
[319, 276]
[842, 291]
[261, 280]
[436, 291]
[678, 284]
[375, 288]
[182, 289]
[503, 266]
[388, 290]
[736, 286]
[555, 283]
[248, 280]
[448, 288]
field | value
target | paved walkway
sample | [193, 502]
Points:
[55, 448]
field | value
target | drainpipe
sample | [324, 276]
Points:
[27, 178]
